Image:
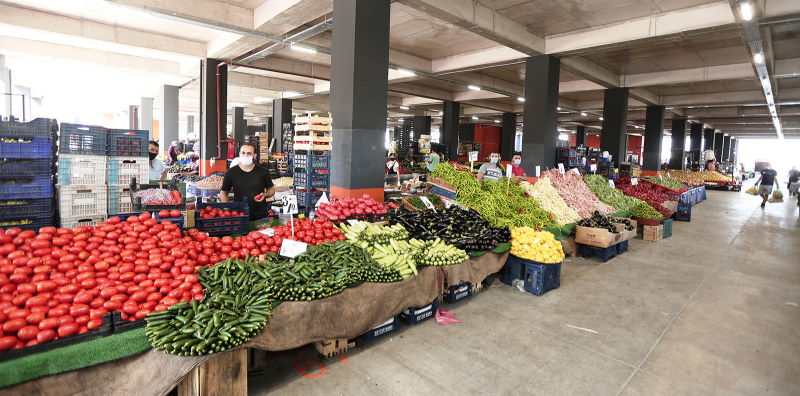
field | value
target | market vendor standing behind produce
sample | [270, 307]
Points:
[157, 171]
[250, 180]
[490, 170]
[434, 158]
[516, 168]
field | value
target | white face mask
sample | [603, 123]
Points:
[517, 161]
[494, 160]
[246, 161]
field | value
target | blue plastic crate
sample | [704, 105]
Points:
[667, 223]
[513, 269]
[317, 161]
[622, 247]
[33, 222]
[224, 225]
[38, 128]
[179, 221]
[443, 192]
[41, 207]
[413, 316]
[36, 148]
[39, 187]
[683, 214]
[124, 216]
[387, 327]
[538, 278]
[26, 167]
[458, 292]
[308, 198]
[127, 142]
[82, 139]
[604, 254]
[703, 193]
[311, 180]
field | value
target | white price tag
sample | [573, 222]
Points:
[322, 200]
[473, 156]
[268, 232]
[593, 167]
[353, 222]
[584, 161]
[291, 248]
[427, 203]
[561, 168]
[577, 172]
[509, 171]
[289, 204]
[538, 170]
[611, 183]
[634, 181]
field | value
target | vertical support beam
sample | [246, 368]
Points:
[507, 134]
[539, 128]
[189, 124]
[281, 114]
[708, 139]
[678, 144]
[146, 117]
[580, 135]
[239, 125]
[212, 125]
[653, 134]
[695, 138]
[726, 148]
[735, 152]
[168, 125]
[613, 137]
[133, 117]
[422, 126]
[449, 135]
[718, 140]
[360, 57]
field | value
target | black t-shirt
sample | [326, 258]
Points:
[249, 184]
[768, 177]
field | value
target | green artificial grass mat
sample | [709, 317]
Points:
[73, 357]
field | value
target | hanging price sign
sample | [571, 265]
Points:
[289, 204]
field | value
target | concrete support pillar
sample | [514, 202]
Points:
[281, 114]
[708, 140]
[726, 148]
[421, 126]
[146, 117]
[212, 126]
[133, 117]
[695, 138]
[189, 125]
[678, 144]
[360, 58]
[653, 134]
[613, 137]
[168, 124]
[580, 135]
[239, 125]
[735, 152]
[449, 135]
[539, 126]
[507, 134]
[718, 140]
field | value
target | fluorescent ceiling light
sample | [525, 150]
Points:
[249, 114]
[474, 117]
[520, 98]
[474, 87]
[303, 49]
[236, 104]
[290, 94]
[601, 118]
[406, 72]
[497, 121]
[558, 108]
[758, 58]
[747, 11]
[583, 114]
[399, 119]
[404, 107]
[261, 99]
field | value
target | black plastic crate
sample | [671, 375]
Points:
[308, 198]
[27, 188]
[40, 207]
[119, 325]
[685, 215]
[82, 139]
[622, 247]
[413, 316]
[388, 327]
[311, 180]
[127, 142]
[42, 167]
[38, 128]
[458, 292]
[223, 225]
[104, 330]
[27, 148]
[538, 278]
[179, 221]
[513, 269]
[167, 185]
[604, 254]
[311, 161]
[28, 222]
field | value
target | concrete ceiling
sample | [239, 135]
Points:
[690, 55]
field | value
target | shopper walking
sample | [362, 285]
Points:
[174, 152]
[157, 171]
[516, 166]
[768, 177]
[490, 170]
[434, 158]
[248, 180]
[794, 181]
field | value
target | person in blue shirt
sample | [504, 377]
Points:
[157, 171]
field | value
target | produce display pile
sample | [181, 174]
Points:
[549, 200]
[605, 222]
[645, 211]
[416, 201]
[653, 198]
[210, 212]
[538, 246]
[283, 181]
[340, 209]
[600, 187]
[178, 168]
[668, 182]
[576, 193]
[503, 204]
[463, 228]
[159, 196]
[213, 182]
[709, 176]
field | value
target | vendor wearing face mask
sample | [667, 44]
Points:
[157, 171]
[516, 168]
[490, 170]
[248, 179]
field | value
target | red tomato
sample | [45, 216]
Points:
[174, 213]
[27, 333]
[12, 326]
[79, 310]
[7, 342]
[68, 329]
[45, 335]
[49, 323]
[35, 318]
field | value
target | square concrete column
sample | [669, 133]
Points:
[146, 117]
[239, 125]
[359, 60]
[133, 117]
[653, 134]
[678, 144]
[580, 135]
[421, 125]
[213, 115]
[168, 124]
[539, 122]
[719, 137]
[507, 134]
[613, 137]
[449, 135]
[735, 151]
[726, 148]
[695, 139]
[281, 114]
[708, 140]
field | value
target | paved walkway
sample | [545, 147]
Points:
[713, 310]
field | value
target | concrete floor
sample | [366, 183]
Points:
[713, 310]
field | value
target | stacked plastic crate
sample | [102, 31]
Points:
[26, 173]
[127, 159]
[311, 159]
[82, 196]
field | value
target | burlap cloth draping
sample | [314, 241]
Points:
[476, 269]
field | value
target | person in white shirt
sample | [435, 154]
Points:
[157, 171]
[490, 170]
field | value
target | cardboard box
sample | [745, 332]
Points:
[653, 233]
[598, 237]
[627, 235]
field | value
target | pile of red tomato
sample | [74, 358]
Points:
[162, 214]
[344, 208]
[209, 212]
[60, 282]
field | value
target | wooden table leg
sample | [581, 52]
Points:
[222, 375]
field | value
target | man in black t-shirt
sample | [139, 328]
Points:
[248, 179]
[768, 177]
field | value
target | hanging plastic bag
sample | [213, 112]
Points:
[445, 317]
[777, 196]
[752, 190]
